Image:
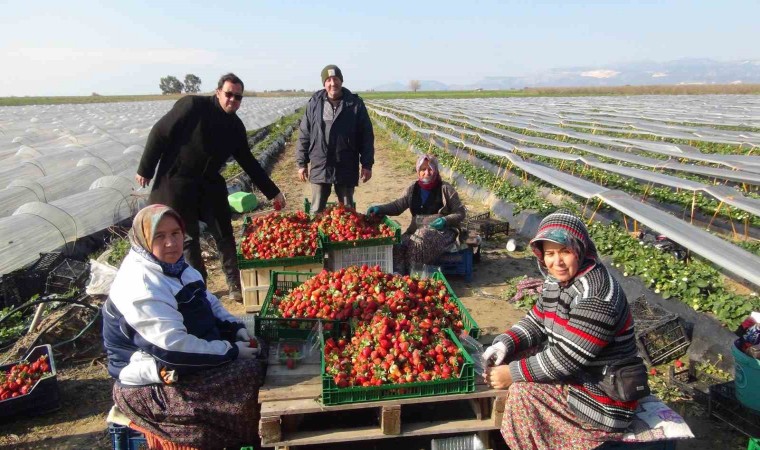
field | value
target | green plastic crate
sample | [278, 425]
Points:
[465, 383]
[469, 323]
[329, 245]
[273, 328]
[244, 263]
[754, 444]
[340, 245]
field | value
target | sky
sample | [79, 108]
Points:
[124, 47]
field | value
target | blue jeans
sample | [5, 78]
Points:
[320, 192]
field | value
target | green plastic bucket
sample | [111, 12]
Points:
[242, 202]
[746, 378]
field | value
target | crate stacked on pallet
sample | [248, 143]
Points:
[660, 337]
[255, 274]
[372, 252]
[273, 327]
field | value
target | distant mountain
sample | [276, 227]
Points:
[682, 71]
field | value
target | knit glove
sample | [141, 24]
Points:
[438, 224]
[496, 353]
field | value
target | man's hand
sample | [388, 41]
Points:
[303, 174]
[366, 174]
[498, 377]
[141, 180]
[279, 201]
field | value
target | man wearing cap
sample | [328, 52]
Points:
[190, 145]
[335, 137]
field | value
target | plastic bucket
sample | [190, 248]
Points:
[746, 378]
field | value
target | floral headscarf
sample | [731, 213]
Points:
[566, 229]
[143, 229]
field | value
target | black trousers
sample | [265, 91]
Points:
[320, 192]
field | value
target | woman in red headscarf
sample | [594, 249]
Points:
[436, 211]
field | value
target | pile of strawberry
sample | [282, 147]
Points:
[20, 379]
[341, 223]
[278, 235]
[390, 350]
[398, 335]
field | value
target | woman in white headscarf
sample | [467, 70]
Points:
[185, 368]
[436, 211]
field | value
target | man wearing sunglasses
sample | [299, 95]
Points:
[190, 145]
[335, 136]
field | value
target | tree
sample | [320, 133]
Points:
[170, 85]
[192, 84]
[414, 85]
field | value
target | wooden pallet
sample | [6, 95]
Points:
[292, 415]
[255, 282]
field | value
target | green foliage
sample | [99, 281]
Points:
[695, 283]
[192, 84]
[119, 249]
[273, 132]
[14, 326]
[522, 197]
[170, 85]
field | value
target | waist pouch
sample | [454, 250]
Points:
[625, 380]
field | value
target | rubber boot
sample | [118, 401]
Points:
[228, 255]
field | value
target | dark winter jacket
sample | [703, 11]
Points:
[352, 141]
[190, 144]
[451, 207]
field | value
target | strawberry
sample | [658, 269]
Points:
[678, 364]
[253, 343]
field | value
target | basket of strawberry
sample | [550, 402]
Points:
[343, 227]
[29, 386]
[279, 239]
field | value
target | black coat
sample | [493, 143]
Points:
[190, 144]
[352, 141]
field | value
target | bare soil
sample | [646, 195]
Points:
[86, 387]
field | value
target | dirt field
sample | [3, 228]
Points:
[85, 385]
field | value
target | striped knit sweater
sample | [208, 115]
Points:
[585, 324]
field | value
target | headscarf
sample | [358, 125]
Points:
[564, 228]
[436, 177]
[143, 229]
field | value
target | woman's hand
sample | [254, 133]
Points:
[242, 335]
[495, 353]
[498, 377]
[438, 224]
[246, 352]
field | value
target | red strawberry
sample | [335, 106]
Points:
[290, 363]
[653, 371]
[678, 364]
[253, 343]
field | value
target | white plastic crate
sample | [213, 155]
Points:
[379, 255]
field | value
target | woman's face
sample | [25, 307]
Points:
[561, 262]
[167, 240]
[426, 172]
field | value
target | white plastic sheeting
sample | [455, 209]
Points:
[67, 171]
[724, 254]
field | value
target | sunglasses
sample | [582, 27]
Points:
[230, 95]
